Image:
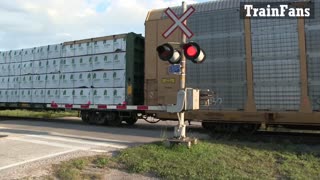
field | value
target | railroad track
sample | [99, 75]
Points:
[310, 138]
[141, 125]
[283, 136]
[304, 137]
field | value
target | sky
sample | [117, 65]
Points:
[32, 23]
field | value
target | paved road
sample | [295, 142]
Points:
[30, 141]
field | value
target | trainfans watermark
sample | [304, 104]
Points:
[296, 9]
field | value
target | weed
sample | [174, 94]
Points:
[222, 160]
[101, 162]
[68, 172]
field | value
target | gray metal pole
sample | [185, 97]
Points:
[180, 131]
[183, 58]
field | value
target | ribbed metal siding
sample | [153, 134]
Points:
[312, 29]
[276, 64]
[221, 34]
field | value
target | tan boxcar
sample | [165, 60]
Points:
[265, 70]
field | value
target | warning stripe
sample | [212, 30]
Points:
[102, 107]
[106, 107]
[121, 107]
[142, 108]
[68, 106]
[86, 106]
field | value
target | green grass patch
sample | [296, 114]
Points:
[101, 161]
[38, 114]
[80, 163]
[68, 172]
[224, 160]
[216, 159]
[82, 168]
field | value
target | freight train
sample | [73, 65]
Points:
[262, 72]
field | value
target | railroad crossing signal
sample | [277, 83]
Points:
[167, 53]
[179, 22]
[191, 50]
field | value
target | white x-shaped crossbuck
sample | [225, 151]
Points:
[179, 22]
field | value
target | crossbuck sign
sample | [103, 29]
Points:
[179, 22]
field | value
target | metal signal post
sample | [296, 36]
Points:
[180, 131]
[177, 53]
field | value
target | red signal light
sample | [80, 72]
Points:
[193, 52]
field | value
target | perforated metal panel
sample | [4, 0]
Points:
[312, 28]
[220, 32]
[276, 64]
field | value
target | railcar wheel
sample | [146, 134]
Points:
[225, 128]
[206, 125]
[113, 119]
[100, 118]
[93, 116]
[212, 127]
[85, 116]
[131, 120]
[248, 129]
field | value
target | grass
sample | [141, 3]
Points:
[101, 161]
[81, 168]
[38, 114]
[224, 160]
[216, 159]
